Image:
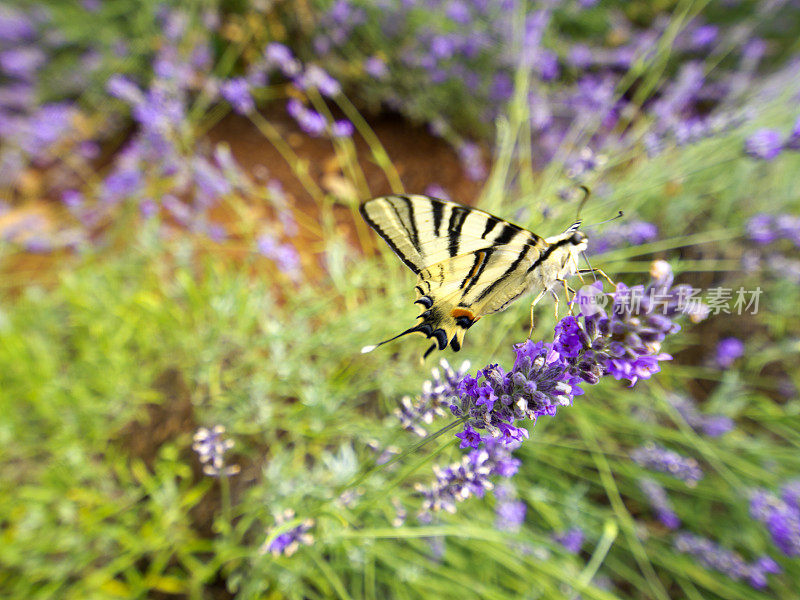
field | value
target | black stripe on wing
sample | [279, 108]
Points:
[406, 260]
[512, 267]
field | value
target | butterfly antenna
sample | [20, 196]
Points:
[586, 258]
[586, 193]
[619, 216]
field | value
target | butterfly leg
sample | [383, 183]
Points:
[601, 272]
[555, 298]
[533, 305]
[570, 301]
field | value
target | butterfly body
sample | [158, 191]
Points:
[468, 263]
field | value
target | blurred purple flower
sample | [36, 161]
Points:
[289, 541]
[148, 208]
[781, 519]
[211, 447]
[72, 199]
[458, 12]
[633, 233]
[658, 458]
[705, 35]
[725, 561]
[547, 65]
[728, 351]
[15, 26]
[210, 181]
[318, 78]
[45, 127]
[510, 515]
[437, 395]
[710, 425]
[764, 144]
[760, 229]
[121, 87]
[341, 129]
[375, 67]
[237, 93]
[790, 493]
[580, 56]
[22, 62]
[753, 50]
[469, 477]
[502, 87]
[793, 141]
[437, 191]
[121, 183]
[472, 161]
[571, 540]
[657, 496]
[284, 256]
[278, 55]
[309, 120]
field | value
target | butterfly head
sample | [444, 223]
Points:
[573, 240]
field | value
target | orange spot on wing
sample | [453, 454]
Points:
[463, 312]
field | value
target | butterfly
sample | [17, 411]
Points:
[468, 262]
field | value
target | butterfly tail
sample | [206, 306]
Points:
[440, 322]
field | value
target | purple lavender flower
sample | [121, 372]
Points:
[471, 160]
[704, 36]
[309, 120]
[759, 569]
[571, 540]
[211, 447]
[470, 477]
[237, 93]
[437, 191]
[494, 399]
[547, 65]
[210, 182]
[284, 256]
[760, 229]
[625, 234]
[148, 208]
[790, 493]
[342, 129]
[458, 12]
[278, 55]
[121, 183]
[510, 515]
[22, 62]
[728, 351]
[289, 541]
[659, 500]
[764, 144]
[793, 141]
[781, 519]
[658, 458]
[72, 199]
[710, 425]
[15, 26]
[375, 67]
[436, 397]
[713, 556]
[318, 78]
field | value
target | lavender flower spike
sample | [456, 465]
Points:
[725, 561]
[211, 447]
[657, 496]
[660, 459]
[288, 542]
[782, 519]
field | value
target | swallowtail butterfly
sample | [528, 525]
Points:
[468, 263]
